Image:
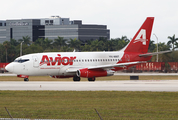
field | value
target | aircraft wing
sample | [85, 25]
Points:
[155, 53]
[114, 65]
[105, 67]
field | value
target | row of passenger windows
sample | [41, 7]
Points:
[95, 60]
[85, 60]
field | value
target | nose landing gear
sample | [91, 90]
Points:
[24, 76]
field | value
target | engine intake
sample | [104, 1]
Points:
[94, 73]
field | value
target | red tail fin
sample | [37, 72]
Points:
[140, 42]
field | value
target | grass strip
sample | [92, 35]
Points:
[112, 105]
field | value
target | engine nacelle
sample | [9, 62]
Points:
[57, 76]
[94, 73]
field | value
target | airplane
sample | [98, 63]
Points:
[86, 64]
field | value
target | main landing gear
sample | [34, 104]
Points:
[77, 79]
[26, 79]
[91, 79]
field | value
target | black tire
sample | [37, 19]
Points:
[26, 79]
[76, 79]
[91, 79]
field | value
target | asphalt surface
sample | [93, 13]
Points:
[129, 85]
[117, 73]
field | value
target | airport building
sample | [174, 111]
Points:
[51, 28]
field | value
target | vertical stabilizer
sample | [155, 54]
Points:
[140, 41]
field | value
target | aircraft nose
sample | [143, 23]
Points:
[9, 67]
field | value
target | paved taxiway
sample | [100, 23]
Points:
[120, 73]
[130, 85]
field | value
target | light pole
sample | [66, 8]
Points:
[21, 48]
[157, 45]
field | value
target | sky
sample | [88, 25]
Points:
[122, 17]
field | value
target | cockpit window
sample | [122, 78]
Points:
[21, 60]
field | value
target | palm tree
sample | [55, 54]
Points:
[75, 44]
[162, 57]
[97, 45]
[172, 41]
[1, 51]
[59, 42]
[108, 45]
[39, 41]
[26, 40]
[152, 46]
[6, 45]
[47, 42]
[122, 42]
[14, 42]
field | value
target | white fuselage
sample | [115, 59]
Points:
[56, 63]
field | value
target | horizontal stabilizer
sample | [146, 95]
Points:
[155, 53]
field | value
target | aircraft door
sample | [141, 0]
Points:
[35, 61]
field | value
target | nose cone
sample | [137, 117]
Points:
[9, 67]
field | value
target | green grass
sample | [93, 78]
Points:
[112, 105]
[116, 77]
[80, 105]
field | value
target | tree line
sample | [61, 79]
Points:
[9, 50]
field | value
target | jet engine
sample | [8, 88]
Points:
[85, 72]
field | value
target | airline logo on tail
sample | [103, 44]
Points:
[141, 37]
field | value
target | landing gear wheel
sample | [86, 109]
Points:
[26, 79]
[75, 78]
[91, 79]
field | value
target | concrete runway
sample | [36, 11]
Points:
[129, 85]
[119, 73]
